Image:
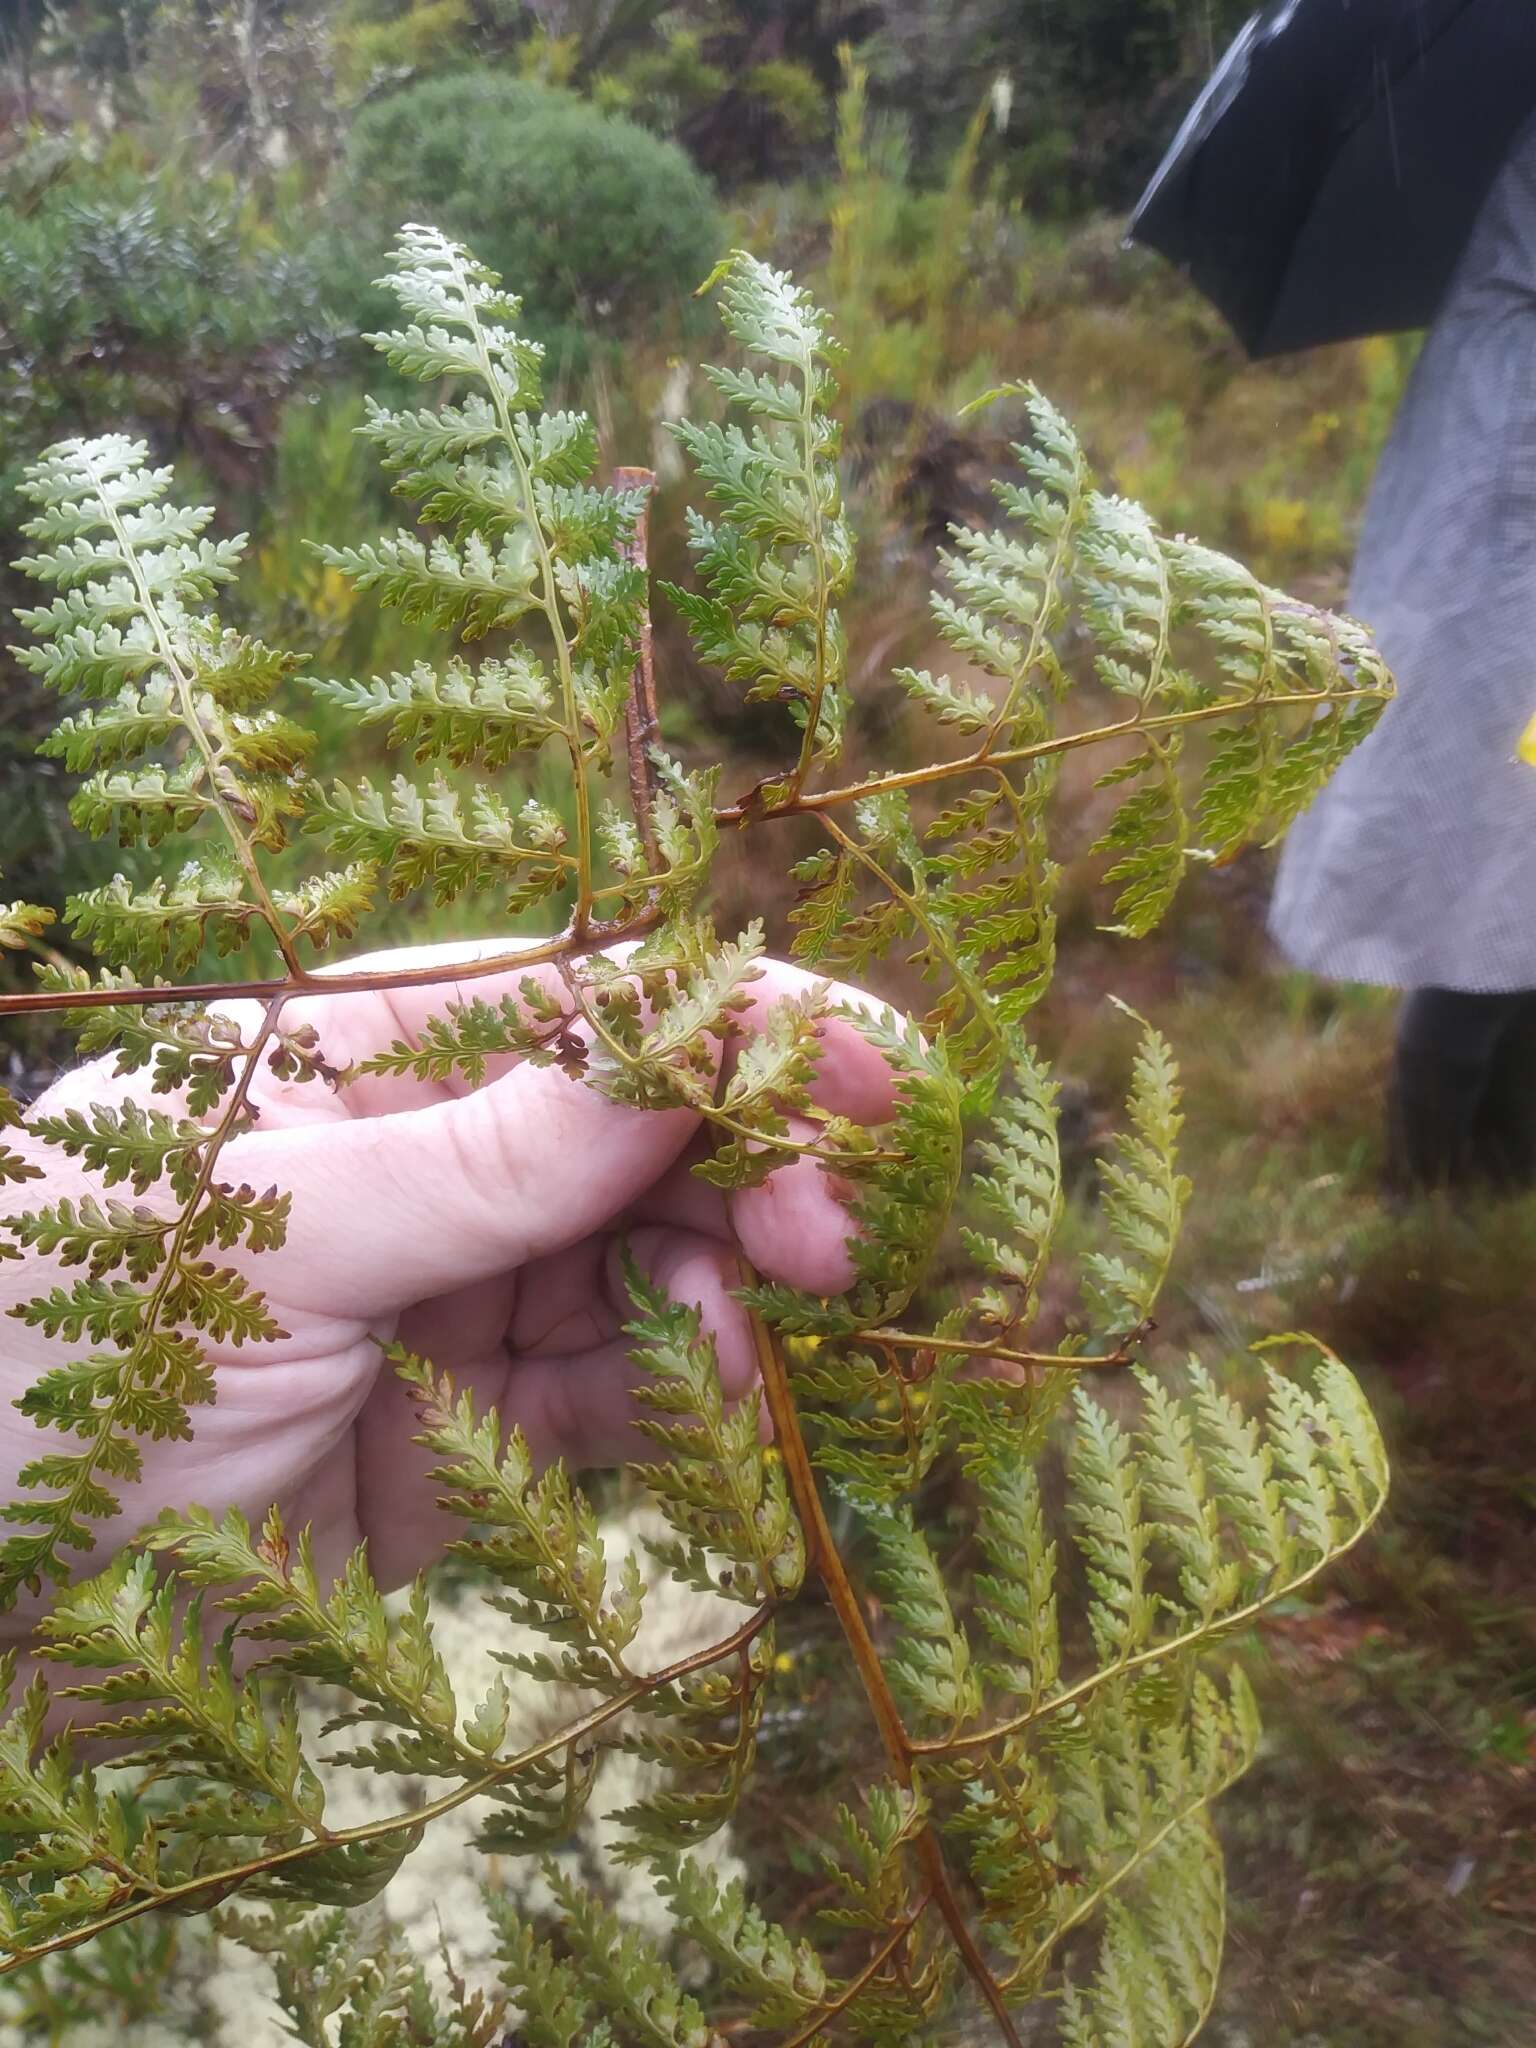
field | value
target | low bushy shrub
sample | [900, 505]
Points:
[605, 226]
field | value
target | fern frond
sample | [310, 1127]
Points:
[339, 1634]
[968, 899]
[1149, 836]
[468, 1035]
[877, 1431]
[1143, 1194]
[132, 627]
[782, 554]
[446, 841]
[1071, 1771]
[532, 541]
[14, 1167]
[1208, 1504]
[902, 1198]
[1111, 1533]
[1016, 1598]
[929, 1664]
[74, 1843]
[1011, 585]
[1309, 686]
[555, 2004]
[725, 1499]
[188, 1711]
[1024, 1193]
[466, 716]
[623, 1974]
[536, 1538]
[331, 1971]
[470, 587]
[782, 1979]
[734, 1533]
[1160, 1951]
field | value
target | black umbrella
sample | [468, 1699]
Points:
[1329, 175]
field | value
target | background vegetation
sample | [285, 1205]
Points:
[192, 197]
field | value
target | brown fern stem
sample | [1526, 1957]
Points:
[899, 1748]
[889, 1948]
[367, 980]
[750, 810]
[822, 1548]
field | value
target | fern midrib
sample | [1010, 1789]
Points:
[819, 557]
[1226, 1625]
[550, 606]
[244, 851]
[971, 1347]
[1045, 616]
[748, 812]
[1263, 729]
[1086, 1907]
[1158, 660]
[361, 981]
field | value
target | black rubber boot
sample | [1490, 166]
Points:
[1462, 1106]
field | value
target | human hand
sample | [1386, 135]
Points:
[482, 1227]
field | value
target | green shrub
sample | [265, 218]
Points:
[603, 225]
[148, 301]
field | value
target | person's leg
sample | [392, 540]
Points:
[1505, 1133]
[1447, 1041]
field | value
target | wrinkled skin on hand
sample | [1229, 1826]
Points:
[482, 1227]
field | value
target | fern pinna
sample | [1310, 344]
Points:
[1038, 1843]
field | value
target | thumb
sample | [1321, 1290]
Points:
[387, 1210]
